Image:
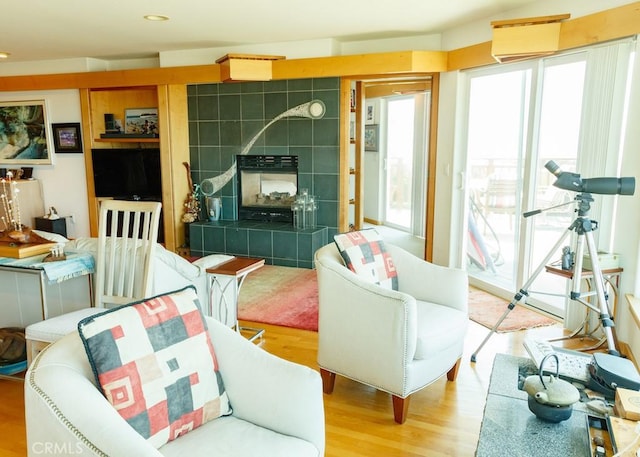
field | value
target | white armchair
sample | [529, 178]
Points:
[396, 341]
[277, 407]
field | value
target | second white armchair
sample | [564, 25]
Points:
[398, 341]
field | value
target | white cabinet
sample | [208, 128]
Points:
[25, 294]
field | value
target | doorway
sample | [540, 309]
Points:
[395, 171]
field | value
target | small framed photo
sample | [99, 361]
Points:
[67, 138]
[141, 121]
[371, 137]
[370, 113]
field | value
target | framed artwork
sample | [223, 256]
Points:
[371, 139]
[24, 133]
[67, 138]
[141, 121]
[370, 113]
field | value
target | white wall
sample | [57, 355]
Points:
[373, 165]
[64, 183]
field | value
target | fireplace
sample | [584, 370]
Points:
[267, 186]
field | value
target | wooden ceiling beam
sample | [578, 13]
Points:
[603, 26]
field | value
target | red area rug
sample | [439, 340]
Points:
[288, 297]
[283, 296]
[487, 309]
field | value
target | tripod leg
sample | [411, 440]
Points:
[598, 279]
[524, 290]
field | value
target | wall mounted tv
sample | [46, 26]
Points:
[128, 174]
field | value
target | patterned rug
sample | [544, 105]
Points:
[487, 309]
[288, 297]
[283, 296]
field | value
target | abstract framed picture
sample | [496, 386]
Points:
[67, 138]
[24, 133]
[371, 140]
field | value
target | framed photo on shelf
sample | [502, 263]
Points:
[67, 138]
[371, 137]
[141, 121]
[30, 142]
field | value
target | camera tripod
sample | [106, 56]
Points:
[583, 227]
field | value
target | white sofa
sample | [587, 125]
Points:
[277, 407]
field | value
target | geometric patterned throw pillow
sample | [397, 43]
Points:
[155, 363]
[365, 254]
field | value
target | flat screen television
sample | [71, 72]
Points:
[127, 174]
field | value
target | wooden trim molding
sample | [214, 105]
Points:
[595, 28]
[432, 157]
[607, 25]
[634, 307]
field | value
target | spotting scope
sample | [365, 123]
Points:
[608, 186]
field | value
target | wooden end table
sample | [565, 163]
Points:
[611, 277]
[225, 281]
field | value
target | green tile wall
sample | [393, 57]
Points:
[223, 118]
[278, 243]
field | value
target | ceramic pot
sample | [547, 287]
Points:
[550, 399]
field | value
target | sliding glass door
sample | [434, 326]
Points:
[521, 116]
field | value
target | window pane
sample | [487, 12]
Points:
[496, 132]
[558, 137]
[400, 143]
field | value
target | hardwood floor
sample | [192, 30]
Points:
[444, 418]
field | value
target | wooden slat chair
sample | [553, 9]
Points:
[127, 233]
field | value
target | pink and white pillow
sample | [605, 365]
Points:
[364, 253]
[155, 363]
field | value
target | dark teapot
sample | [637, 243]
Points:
[550, 398]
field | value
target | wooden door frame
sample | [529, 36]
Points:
[431, 156]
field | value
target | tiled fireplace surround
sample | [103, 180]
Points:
[223, 118]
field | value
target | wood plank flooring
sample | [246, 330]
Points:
[444, 418]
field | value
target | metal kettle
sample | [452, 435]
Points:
[550, 398]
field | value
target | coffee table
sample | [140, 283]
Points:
[225, 281]
[510, 428]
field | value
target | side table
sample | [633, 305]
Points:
[225, 281]
[611, 278]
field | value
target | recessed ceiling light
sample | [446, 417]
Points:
[156, 17]
[4, 55]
